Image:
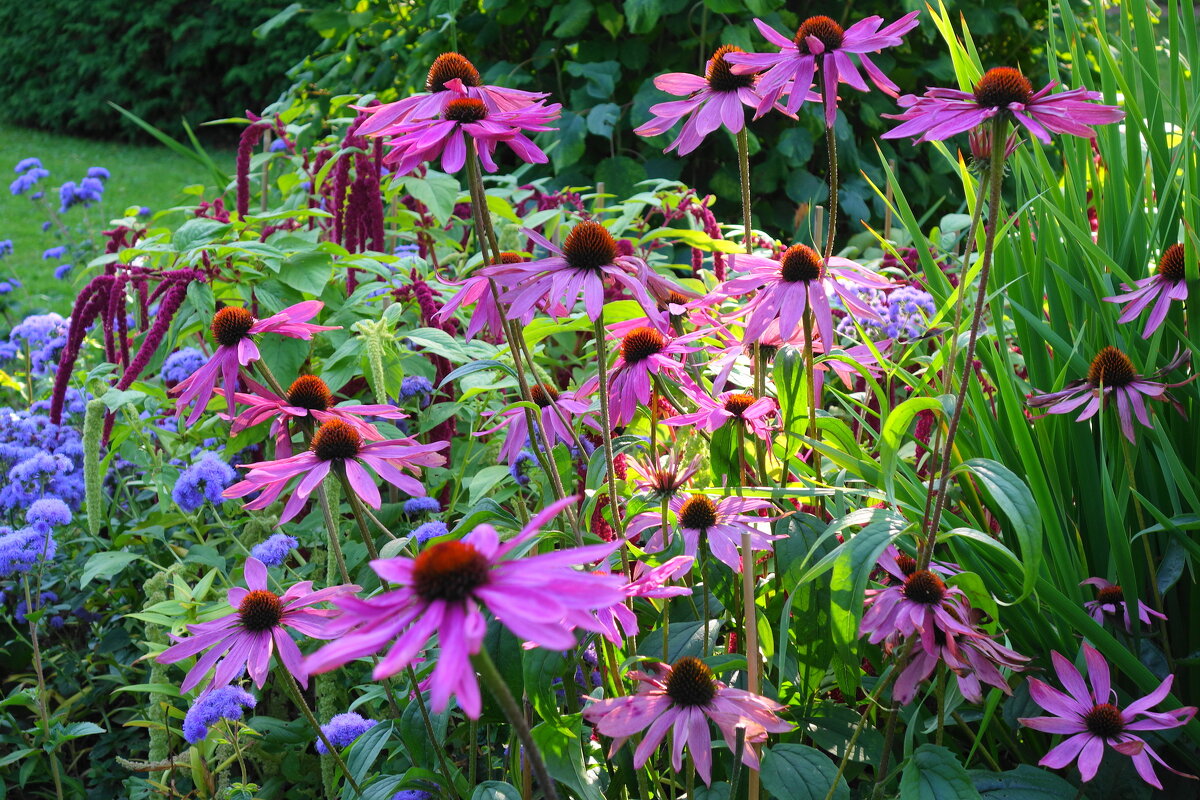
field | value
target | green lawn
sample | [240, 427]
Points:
[142, 175]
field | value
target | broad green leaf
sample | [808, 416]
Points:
[105, 565]
[495, 790]
[892, 436]
[797, 772]
[437, 190]
[1023, 783]
[541, 667]
[307, 272]
[1016, 501]
[562, 749]
[363, 752]
[854, 564]
[196, 232]
[933, 773]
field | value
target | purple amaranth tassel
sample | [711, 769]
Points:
[250, 136]
[88, 305]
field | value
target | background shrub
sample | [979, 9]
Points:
[64, 61]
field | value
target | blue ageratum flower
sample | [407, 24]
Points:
[414, 385]
[21, 550]
[26, 164]
[227, 702]
[274, 551]
[54, 253]
[6, 247]
[99, 173]
[415, 506]
[430, 530]
[48, 513]
[182, 363]
[203, 480]
[344, 729]
[62, 271]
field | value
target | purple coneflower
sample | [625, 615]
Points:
[307, 398]
[683, 698]
[245, 639]
[787, 286]
[922, 604]
[1166, 284]
[451, 77]
[1112, 374]
[476, 290]
[617, 622]
[589, 254]
[557, 412]
[721, 523]
[234, 329]
[742, 407]
[664, 476]
[713, 100]
[1090, 720]
[1110, 602]
[941, 113]
[337, 445]
[441, 591]
[644, 352]
[445, 137]
[821, 42]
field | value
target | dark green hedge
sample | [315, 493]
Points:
[161, 59]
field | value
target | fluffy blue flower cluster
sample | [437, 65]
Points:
[905, 312]
[8, 285]
[430, 530]
[20, 550]
[415, 506]
[87, 191]
[6, 247]
[182, 363]
[29, 172]
[39, 459]
[274, 550]
[227, 702]
[204, 480]
[43, 334]
[414, 385]
[344, 729]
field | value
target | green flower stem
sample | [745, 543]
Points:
[293, 689]
[831, 149]
[606, 424]
[356, 505]
[269, 377]
[491, 678]
[881, 772]
[810, 376]
[428, 723]
[956, 297]
[743, 148]
[43, 712]
[331, 527]
[995, 179]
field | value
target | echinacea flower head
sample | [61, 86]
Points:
[557, 413]
[234, 330]
[338, 447]
[245, 639]
[742, 408]
[308, 398]
[1110, 603]
[587, 257]
[821, 43]
[443, 591]
[663, 477]
[1088, 717]
[451, 77]
[787, 286]
[617, 622]
[683, 698]
[476, 290]
[644, 352]
[721, 523]
[712, 101]
[1111, 374]
[923, 604]
[225, 702]
[1166, 284]
[444, 137]
[1001, 92]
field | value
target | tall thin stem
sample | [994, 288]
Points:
[492, 679]
[43, 712]
[743, 147]
[606, 424]
[293, 689]
[831, 149]
[995, 179]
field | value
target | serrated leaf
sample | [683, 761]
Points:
[196, 232]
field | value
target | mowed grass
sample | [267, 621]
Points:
[142, 175]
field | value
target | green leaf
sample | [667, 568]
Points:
[274, 22]
[854, 564]
[797, 772]
[602, 118]
[567, 141]
[307, 272]
[540, 667]
[196, 232]
[892, 436]
[562, 750]
[361, 754]
[1023, 783]
[476, 366]
[933, 773]
[620, 175]
[683, 639]
[78, 729]
[723, 455]
[642, 15]
[601, 76]
[483, 481]
[437, 190]
[1016, 501]
[105, 565]
[572, 18]
[495, 790]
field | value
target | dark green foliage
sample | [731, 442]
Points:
[599, 60]
[64, 61]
